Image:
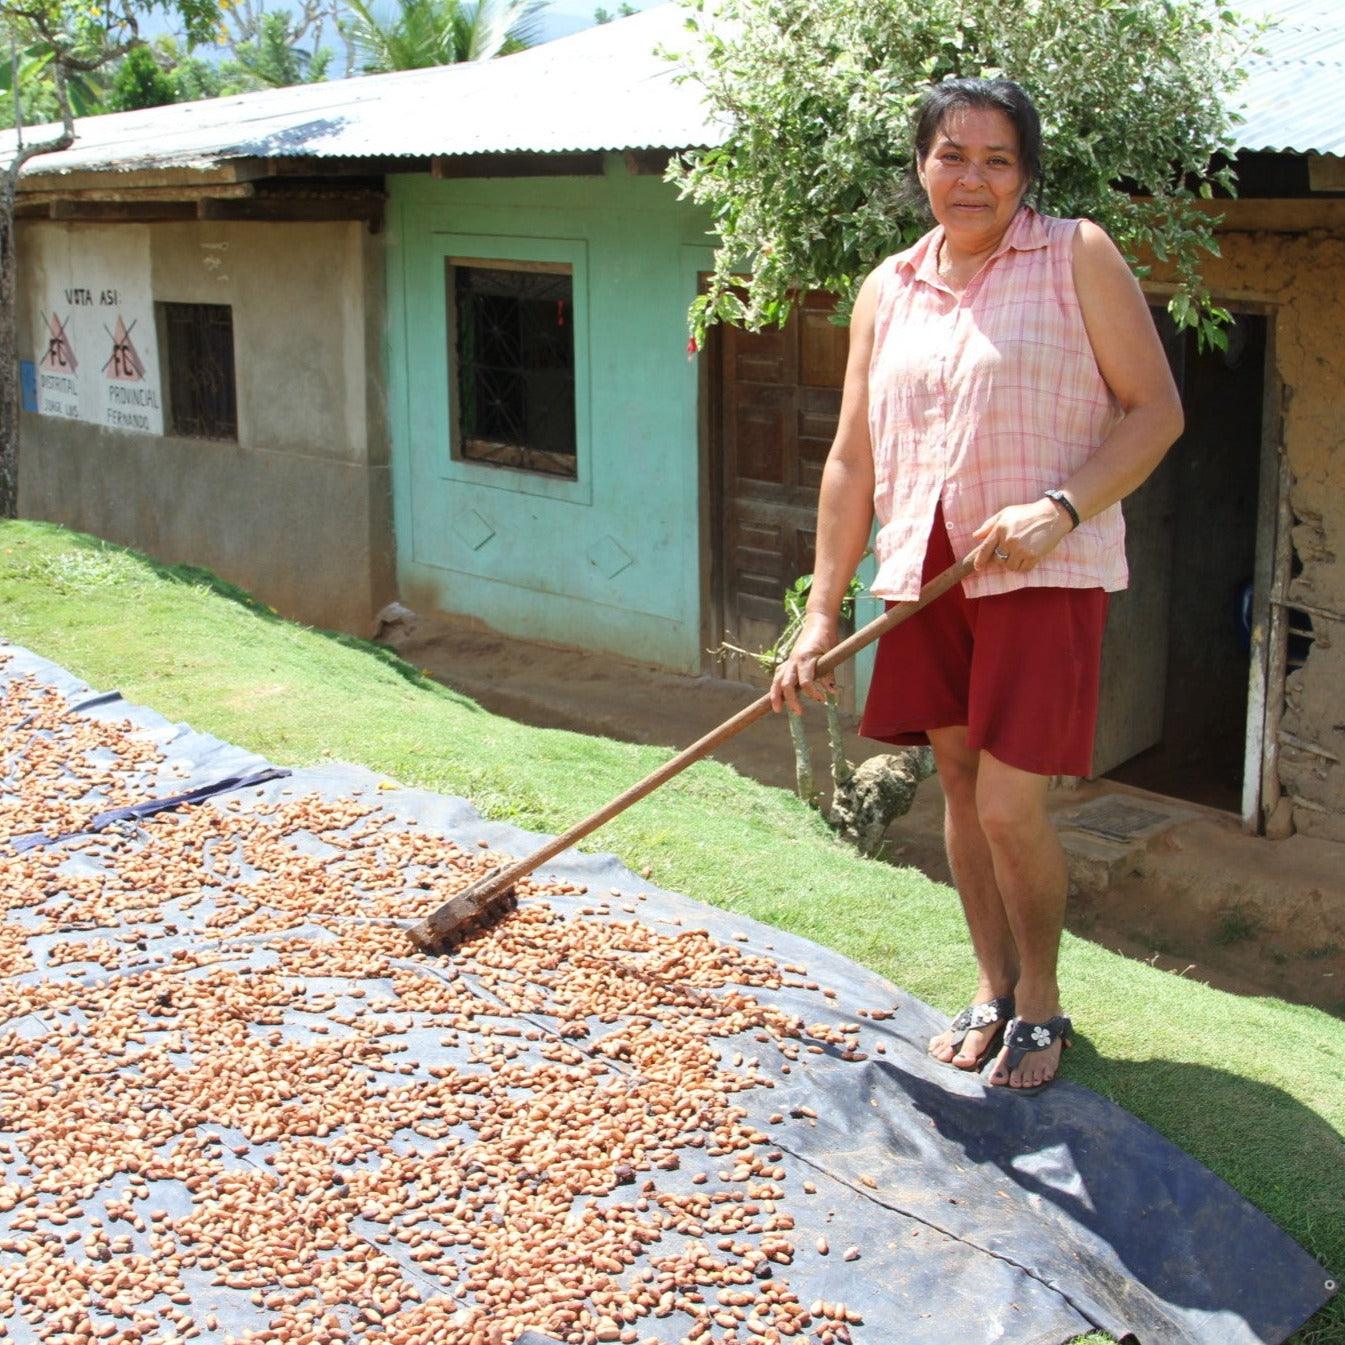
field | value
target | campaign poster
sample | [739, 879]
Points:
[97, 350]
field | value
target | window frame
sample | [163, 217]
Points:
[458, 444]
[164, 325]
[441, 414]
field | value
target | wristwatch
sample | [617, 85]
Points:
[1059, 497]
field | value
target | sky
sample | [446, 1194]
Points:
[568, 16]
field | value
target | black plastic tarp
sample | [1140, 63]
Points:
[979, 1215]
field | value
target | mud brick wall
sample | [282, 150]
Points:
[1302, 277]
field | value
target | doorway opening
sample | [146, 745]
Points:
[1177, 656]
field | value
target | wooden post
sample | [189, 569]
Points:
[1277, 650]
[1265, 692]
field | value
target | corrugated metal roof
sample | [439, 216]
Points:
[1291, 101]
[602, 89]
[607, 89]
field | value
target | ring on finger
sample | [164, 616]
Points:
[1001, 555]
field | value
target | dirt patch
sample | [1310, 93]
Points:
[1243, 913]
[1203, 899]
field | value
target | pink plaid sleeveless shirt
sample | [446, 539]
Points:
[984, 399]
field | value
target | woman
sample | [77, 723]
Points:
[1005, 390]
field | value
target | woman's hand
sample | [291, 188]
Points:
[798, 672]
[1018, 537]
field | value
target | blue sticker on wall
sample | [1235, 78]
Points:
[28, 382]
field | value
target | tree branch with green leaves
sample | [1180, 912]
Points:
[810, 190]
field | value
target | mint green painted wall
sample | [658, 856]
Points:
[612, 561]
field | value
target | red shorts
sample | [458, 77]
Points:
[1019, 669]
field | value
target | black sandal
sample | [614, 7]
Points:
[974, 1016]
[1024, 1039]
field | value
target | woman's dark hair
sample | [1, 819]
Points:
[998, 95]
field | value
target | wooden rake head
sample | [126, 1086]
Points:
[477, 906]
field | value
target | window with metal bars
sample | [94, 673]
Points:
[511, 330]
[199, 340]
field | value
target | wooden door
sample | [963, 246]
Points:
[779, 399]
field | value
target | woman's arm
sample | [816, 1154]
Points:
[1131, 360]
[844, 515]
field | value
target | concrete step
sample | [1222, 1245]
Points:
[1106, 838]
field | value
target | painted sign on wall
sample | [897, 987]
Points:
[96, 349]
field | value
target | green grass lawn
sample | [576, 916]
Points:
[1254, 1088]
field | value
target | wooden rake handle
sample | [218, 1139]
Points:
[474, 901]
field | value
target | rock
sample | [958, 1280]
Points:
[878, 791]
[1280, 823]
[393, 623]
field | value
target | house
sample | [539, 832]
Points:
[351, 340]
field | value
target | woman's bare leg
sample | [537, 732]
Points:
[1032, 879]
[973, 869]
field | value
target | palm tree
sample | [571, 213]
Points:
[421, 33]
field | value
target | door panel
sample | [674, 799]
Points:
[780, 394]
[759, 429]
[821, 355]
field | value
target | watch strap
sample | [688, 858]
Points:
[1059, 497]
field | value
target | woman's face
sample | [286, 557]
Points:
[973, 176]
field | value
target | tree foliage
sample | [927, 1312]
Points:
[269, 54]
[420, 33]
[269, 48]
[809, 191]
[273, 58]
[191, 75]
[36, 103]
[83, 36]
[140, 81]
[256, 49]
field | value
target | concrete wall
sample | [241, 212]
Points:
[611, 561]
[1302, 276]
[298, 510]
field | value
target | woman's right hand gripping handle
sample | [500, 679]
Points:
[799, 671]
